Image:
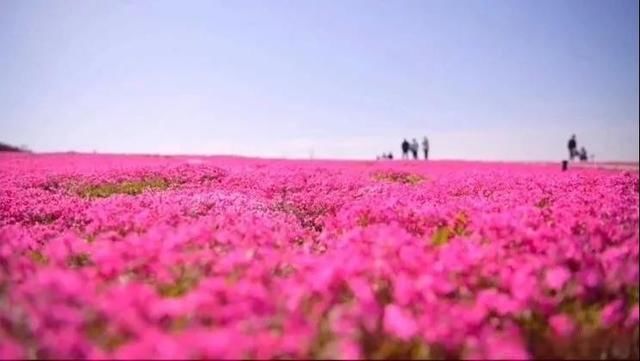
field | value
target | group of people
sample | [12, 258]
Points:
[410, 148]
[413, 148]
[573, 150]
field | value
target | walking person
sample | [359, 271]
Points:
[425, 147]
[405, 149]
[572, 145]
[414, 148]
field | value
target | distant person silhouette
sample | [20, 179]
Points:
[425, 147]
[583, 155]
[414, 148]
[572, 145]
[405, 149]
[390, 155]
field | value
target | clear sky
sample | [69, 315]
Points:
[494, 80]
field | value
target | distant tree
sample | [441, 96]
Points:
[9, 148]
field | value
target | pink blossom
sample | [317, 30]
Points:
[398, 322]
[634, 316]
[562, 325]
[10, 350]
[557, 277]
[612, 313]
[500, 345]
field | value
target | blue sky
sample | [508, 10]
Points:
[493, 80]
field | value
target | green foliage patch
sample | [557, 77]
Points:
[133, 188]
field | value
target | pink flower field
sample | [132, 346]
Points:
[105, 256]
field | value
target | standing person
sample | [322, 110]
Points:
[572, 145]
[390, 155]
[405, 149]
[425, 147]
[414, 148]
